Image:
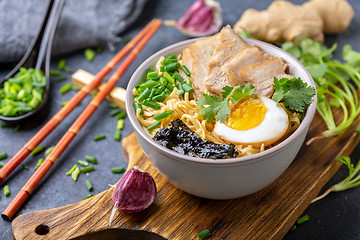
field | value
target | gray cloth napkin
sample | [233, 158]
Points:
[83, 23]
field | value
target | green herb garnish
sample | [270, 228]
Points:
[296, 94]
[89, 54]
[218, 107]
[3, 155]
[204, 234]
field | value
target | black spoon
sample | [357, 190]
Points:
[40, 49]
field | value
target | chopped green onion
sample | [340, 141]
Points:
[160, 90]
[82, 163]
[155, 125]
[121, 115]
[64, 89]
[16, 128]
[186, 70]
[88, 196]
[118, 170]
[99, 137]
[37, 150]
[60, 79]
[68, 69]
[138, 106]
[3, 155]
[303, 219]
[144, 95]
[75, 174]
[55, 73]
[163, 115]
[89, 185]
[169, 78]
[204, 234]
[48, 151]
[117, 135]
[91, 159]
[38, 164]
[115, 112]
[6, 190]
[153, 92]
[187, 88]
[89, 54]
[358, 129]
[152, 104]
[293, 228]
[87, 169]
[99, 49]
[2, 164]
[127, 40]
[112, 105]
[71, 170]
[5, 125]
[178, 77]
[172, 56]
[64, 103]
[25, 166]
[151, 75]
[62, 64]
[161, 97]
[120, 124]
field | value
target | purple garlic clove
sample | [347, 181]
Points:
[135, 191]
[201, 19]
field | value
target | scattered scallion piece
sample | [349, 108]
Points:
[115, 112]
[126, 40]
[120, 124]
[60, 79]
[303, 219]
[55, 73]
[186, 70]
[117, 135]
[138, 106]
[71, 170]
[5, 125]
[37, 150]
[151, 104]
[87, 169]
[358, 129]
[38, 164]
[99, 49]
[118, 170]
[89, 185]
[64, 103]
[25, 166]
[17, 127]
[204, 234]
[75, 174]
[1, 164]
[293, 228]
[121, 115]
[99, 137]
[62, 64]
[48, 151]
[82, 163]
[163, 115]
[66, 88]
[88, 196]
[6, 190]
[155, 125]
[91, 159]
[112, 105]
[68, 69]
[89, 54]
[3, 155]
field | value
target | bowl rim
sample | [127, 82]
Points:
[304, 125]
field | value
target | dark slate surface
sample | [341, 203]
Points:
[335, 217]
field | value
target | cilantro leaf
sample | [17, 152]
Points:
[294, 92]
[218, 107]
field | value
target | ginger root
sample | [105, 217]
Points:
[284, 21]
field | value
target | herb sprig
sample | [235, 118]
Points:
[218, 107]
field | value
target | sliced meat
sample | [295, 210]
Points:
[262, 74]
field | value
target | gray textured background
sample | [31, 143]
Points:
[335, 217]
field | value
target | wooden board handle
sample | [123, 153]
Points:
[77, 219]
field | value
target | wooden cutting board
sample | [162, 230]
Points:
[267, 214]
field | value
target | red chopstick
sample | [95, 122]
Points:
[78, 97]
[49, 161]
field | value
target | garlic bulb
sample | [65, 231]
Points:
[201, 19]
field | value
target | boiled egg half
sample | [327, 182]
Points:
[254, 121]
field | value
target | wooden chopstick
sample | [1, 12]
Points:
[49, 161]
[64, 111]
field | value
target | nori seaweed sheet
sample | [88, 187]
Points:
[179, 138]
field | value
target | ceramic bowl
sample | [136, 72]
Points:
[225, 178]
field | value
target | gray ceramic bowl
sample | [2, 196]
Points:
[226, 178]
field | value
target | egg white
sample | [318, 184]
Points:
[271, 129]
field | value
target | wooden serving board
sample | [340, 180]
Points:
[267, 214]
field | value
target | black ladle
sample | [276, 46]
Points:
[40, 49]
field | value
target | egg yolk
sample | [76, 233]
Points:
[246, 114]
